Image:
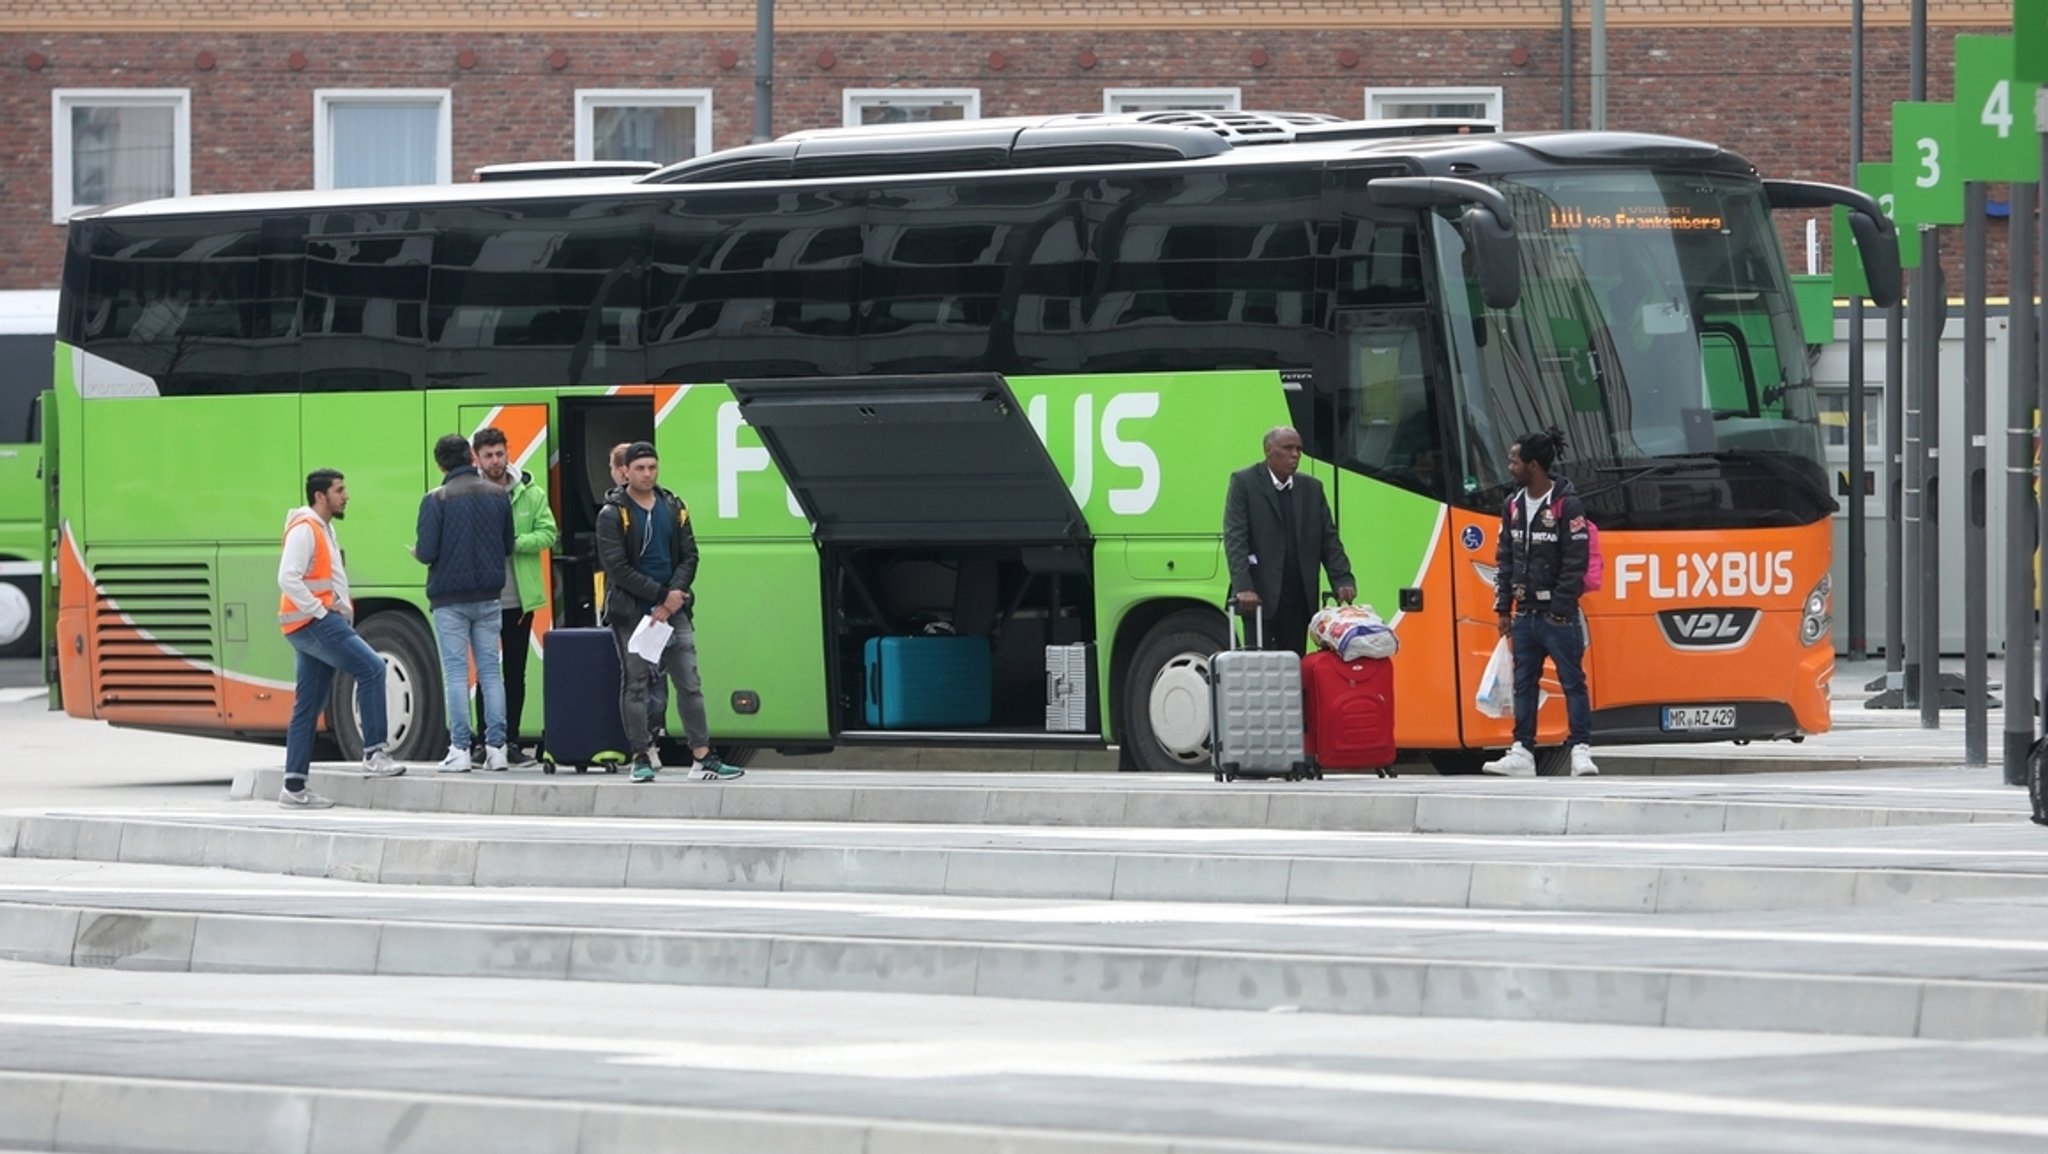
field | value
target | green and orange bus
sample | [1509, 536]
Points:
[986, 378]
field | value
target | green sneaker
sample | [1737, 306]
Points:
[712, 769]
[643, 770]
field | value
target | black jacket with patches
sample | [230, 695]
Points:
[622, 534]
[1549, 557]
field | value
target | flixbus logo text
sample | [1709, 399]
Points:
[1690, 576]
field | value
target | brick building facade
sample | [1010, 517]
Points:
[521, 81]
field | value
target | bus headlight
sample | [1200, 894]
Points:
[1820, 612]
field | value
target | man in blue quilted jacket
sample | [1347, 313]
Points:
[465, 537]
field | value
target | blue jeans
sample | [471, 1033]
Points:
[1534, 637]
[465, 631]
[325, 646]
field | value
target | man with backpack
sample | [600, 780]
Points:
[1541, 561]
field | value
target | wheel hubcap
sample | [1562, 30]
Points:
[399, 687]
[1179, 708]
[15, 611]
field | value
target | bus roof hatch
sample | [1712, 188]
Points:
[930, 459]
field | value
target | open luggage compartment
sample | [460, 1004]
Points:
[941, 523]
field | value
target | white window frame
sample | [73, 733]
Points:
[589, 100]
[62, 100]
[1492, 97]
[1232, 98]
[852, 100]
[324, 100]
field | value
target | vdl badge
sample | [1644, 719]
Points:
[1680, 718]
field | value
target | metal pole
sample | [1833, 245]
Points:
[1599, 65]
[1564, 68]
[1926, 384]
[1859, 532]
[2041, 392]
[2019, 488]
[764, 70]
[1895, 504]
[1976, 585]
[1915, 461]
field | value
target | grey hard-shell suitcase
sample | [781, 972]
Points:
[1255, 728]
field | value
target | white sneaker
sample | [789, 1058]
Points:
[1582, 762]
[1516, 762]
[378, 763]
[303, 799]
[494, 758]
[457, 760]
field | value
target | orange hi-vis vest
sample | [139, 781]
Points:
[319, 576]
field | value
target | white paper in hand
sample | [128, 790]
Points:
[649, 638]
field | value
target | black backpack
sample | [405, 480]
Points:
[2037, 779]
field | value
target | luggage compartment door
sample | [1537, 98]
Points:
[945, 458]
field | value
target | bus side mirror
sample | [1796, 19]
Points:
[1488, 224]
[1877, 243]
[1877, 238]
[1496, 257]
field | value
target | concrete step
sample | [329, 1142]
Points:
[187, 1116]
[1463, 805]
[1961, 970]
[1828, 869]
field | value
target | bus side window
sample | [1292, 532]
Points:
[1386, 420]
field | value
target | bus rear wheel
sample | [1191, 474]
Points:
[1165, 722]
[21, 628]
[412, 691]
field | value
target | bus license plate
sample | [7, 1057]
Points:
[1688, 717]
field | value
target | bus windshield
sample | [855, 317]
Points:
[1657, 330]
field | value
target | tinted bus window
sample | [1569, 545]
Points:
[26, 361]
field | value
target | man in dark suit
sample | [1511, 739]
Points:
[1277, 530]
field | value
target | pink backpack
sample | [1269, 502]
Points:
[1596, 566]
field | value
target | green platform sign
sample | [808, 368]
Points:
[2030, 40]
[1927, 185]
[1876, 179]
[1995, 135]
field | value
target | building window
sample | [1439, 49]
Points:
[380, 137]
[1172, 99]
[1834, 421]
[1434, 104]
[116, 145]
[909, 105]
[664, 125]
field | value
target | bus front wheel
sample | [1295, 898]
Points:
[1165, 723]
[412, 691]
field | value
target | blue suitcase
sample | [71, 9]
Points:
[580, 689]
[927, 680]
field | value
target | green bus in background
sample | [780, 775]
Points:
[985, 378]
[28, 333]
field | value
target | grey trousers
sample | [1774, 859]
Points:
[679, 663]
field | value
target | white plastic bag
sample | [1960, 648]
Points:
[1353, 632]
[1496, 696]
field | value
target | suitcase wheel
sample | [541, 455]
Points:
[1219, 775]
[547, 767]
[582, 769]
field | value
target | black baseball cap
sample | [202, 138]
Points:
[639, 449]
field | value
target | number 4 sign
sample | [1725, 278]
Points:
[1925, 182]
[1995, 138]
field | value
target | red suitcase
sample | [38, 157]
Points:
[1348, 712]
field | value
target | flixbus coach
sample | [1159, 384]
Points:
[986, 379]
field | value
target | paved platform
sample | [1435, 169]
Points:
[968, 959]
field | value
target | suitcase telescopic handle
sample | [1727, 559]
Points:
[1258, 624]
